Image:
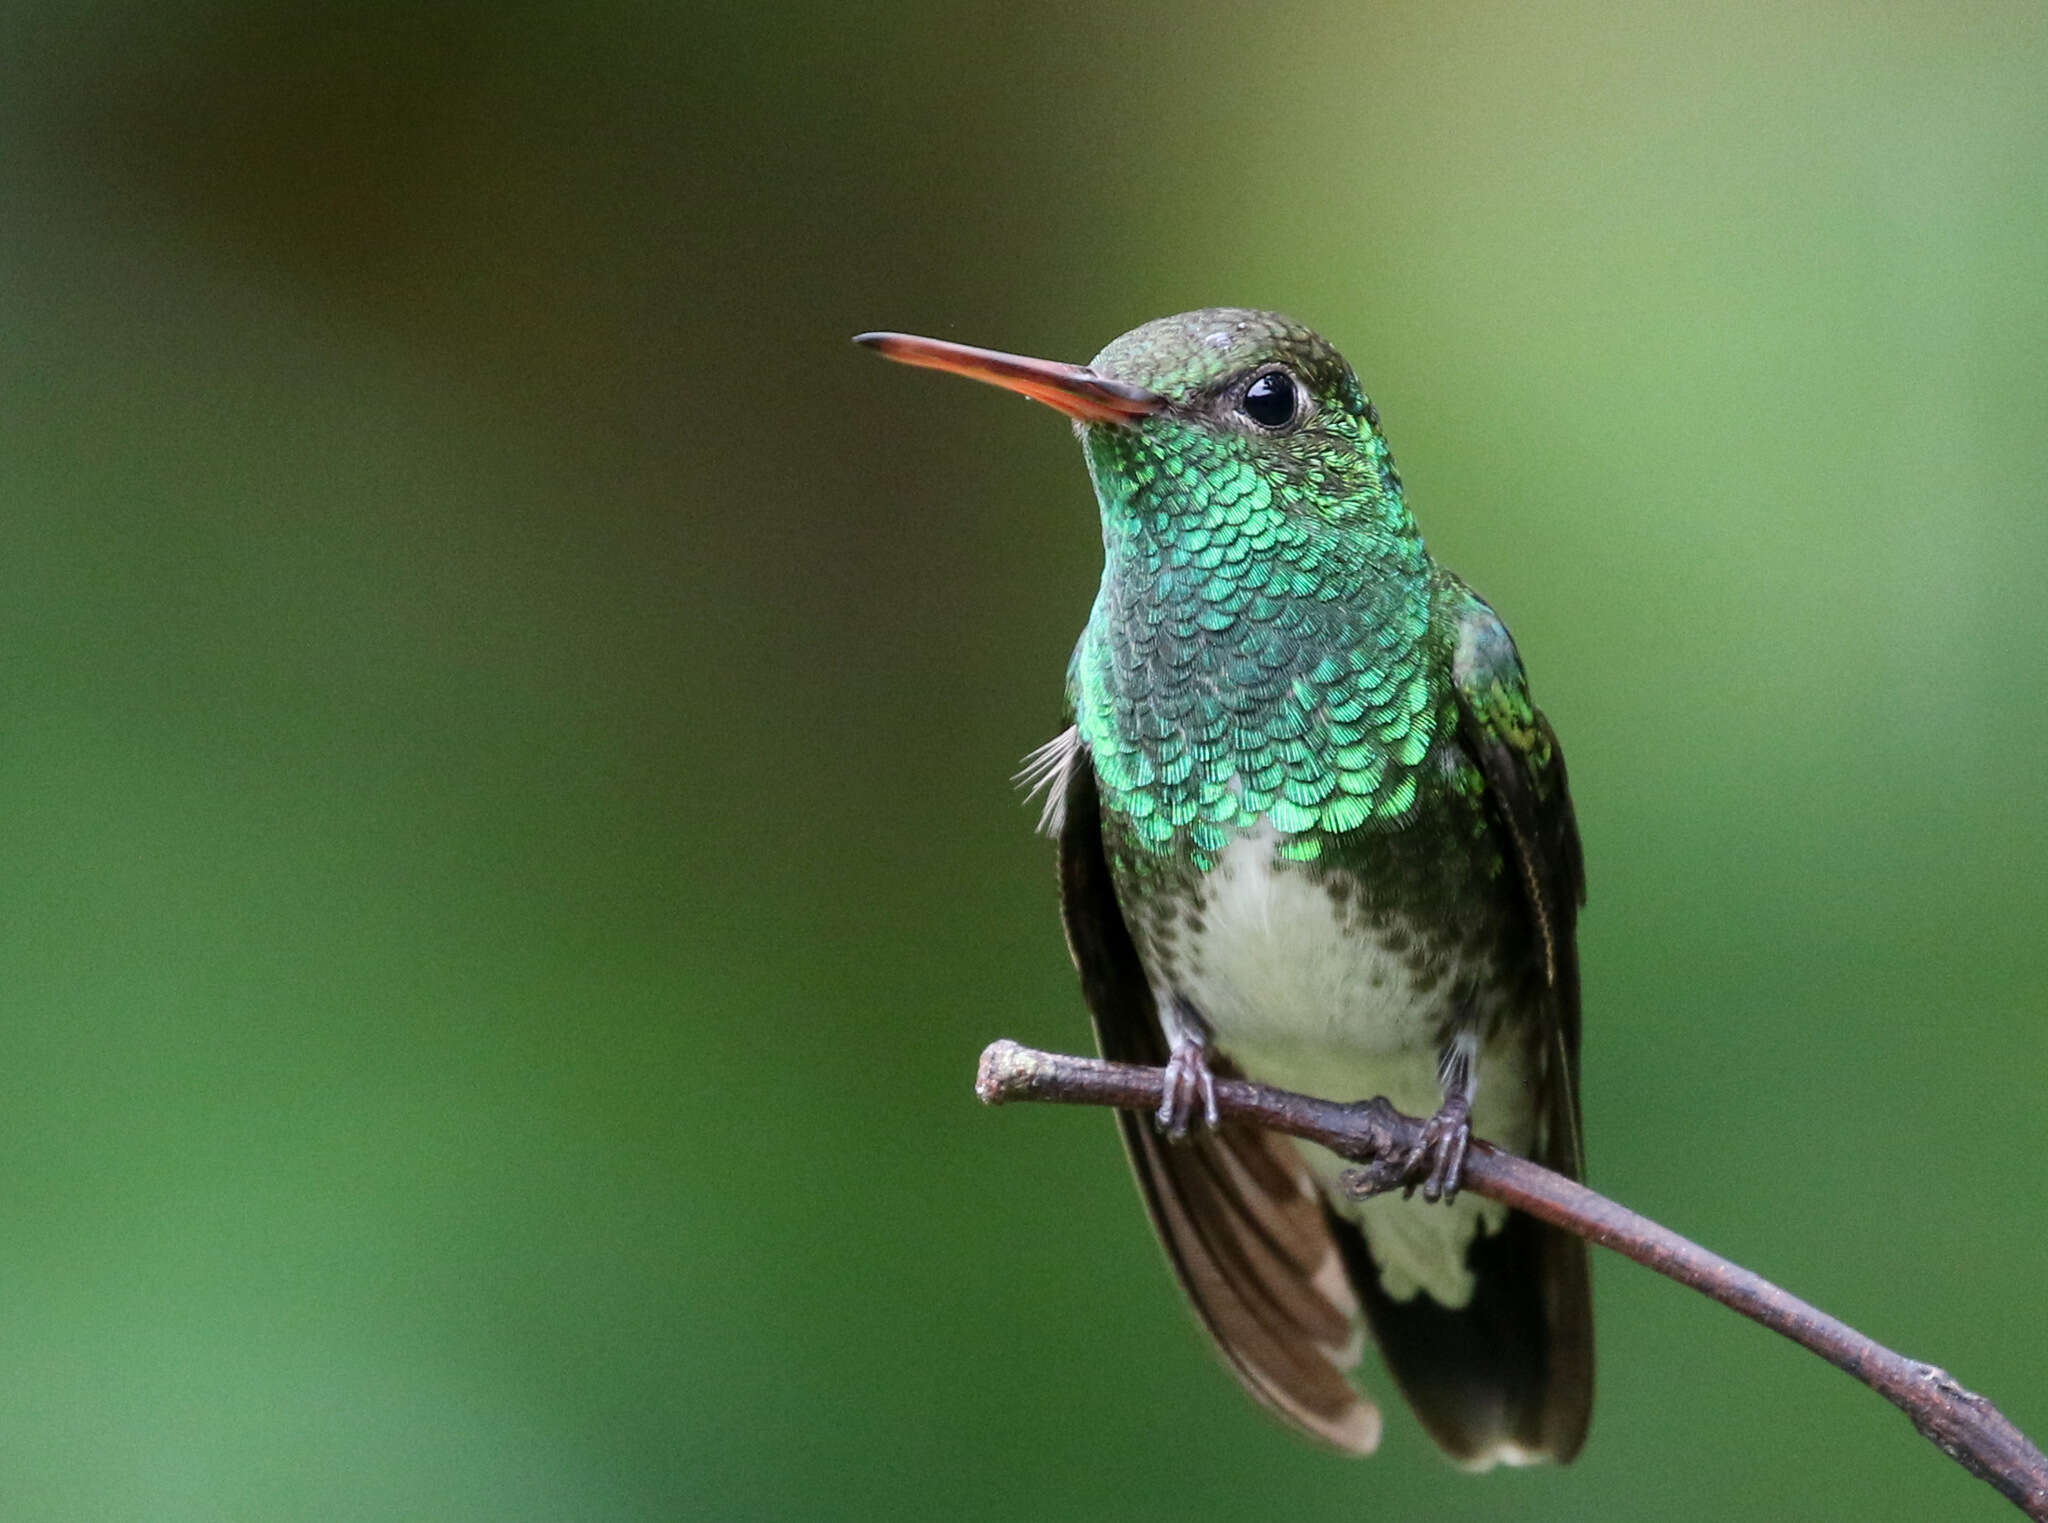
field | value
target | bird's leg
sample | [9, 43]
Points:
[1437, 1163]
[1188, 1078]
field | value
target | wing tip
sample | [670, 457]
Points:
[1354, 1431]
[1357, 1433]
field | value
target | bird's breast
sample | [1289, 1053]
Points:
[1298, 972]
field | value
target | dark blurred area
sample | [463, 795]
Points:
[508, 723]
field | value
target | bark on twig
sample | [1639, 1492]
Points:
[1962, 1424]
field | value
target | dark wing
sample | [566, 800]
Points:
[1236, 1209]
[1517, 754]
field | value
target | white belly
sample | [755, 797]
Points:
[1300, 992]
[1287, 973]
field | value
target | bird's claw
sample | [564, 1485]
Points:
[1188, 1080]
[1436, 1164]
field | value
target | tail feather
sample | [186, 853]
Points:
[1506, 1378]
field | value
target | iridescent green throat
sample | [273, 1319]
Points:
[1259, 648]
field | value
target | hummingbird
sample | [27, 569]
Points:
[1313, 831]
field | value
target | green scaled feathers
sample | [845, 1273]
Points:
[1256, 590]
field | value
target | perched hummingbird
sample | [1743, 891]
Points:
[1313, 831]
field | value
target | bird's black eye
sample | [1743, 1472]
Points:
[1269, 401]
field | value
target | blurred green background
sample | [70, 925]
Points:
[508, 717]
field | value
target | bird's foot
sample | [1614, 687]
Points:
[1188, 1080]
[1436, 1164]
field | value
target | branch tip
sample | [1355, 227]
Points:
[1003, 1063]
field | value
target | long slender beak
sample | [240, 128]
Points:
[1075, 390]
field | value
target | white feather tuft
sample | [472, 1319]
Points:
[1046, 770]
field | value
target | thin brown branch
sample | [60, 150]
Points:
[1962, 1424]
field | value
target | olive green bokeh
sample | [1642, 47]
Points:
[509, 855]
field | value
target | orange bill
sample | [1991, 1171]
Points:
[1075, 390]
